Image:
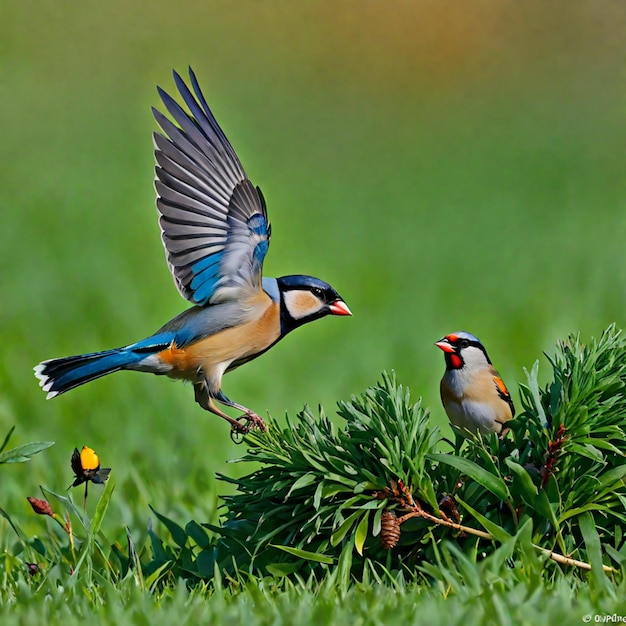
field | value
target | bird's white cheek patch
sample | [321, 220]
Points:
[301, 303]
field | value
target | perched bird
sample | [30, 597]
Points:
[473, 393]
[216, 234]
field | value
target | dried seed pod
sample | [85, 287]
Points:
[41, 507]
[390, 530]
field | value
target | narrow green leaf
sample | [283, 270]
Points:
[101, 508]
[205, 562]
[160, 572]
[588, 451]
[579, 510]
[305, 554]
[333, 489]
[281, 570]
[522, 479]
[497, 532]
[304, 481]
[618, 557]
[492, 483]
[177, 532]
[68, 502]
[377, 524]
[6, 439]
[594, 551]
[87, 551]
[134, 563]
[21, 454]
[313, 462]
[361, 534]
[363, 486]
[543, 505]
[198, 534]
[160, 555]
[608, 479]
[602, 444]
[344, 565]
[317, 497]
[342, 531]
[14, 526]
[371, 504]
[533, 386]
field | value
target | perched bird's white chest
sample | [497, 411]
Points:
[465, 403]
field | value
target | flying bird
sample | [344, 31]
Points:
[474, 395]
[216, 233]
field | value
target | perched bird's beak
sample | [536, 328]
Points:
[444, 345]
[339, 307]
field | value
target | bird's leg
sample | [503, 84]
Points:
[241, 425]
[249, 419]
[205, 400]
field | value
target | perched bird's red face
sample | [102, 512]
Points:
[451, 347]
[462, 348]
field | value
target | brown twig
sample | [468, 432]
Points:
[443, 522]
[404, 498]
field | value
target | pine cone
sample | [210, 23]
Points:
[390, 530]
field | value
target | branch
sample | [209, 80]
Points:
[402, 496]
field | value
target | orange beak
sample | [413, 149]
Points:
[340, 308]
[444, 345]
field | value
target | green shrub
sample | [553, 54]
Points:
[320, 495]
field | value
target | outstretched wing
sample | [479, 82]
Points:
[213, 220]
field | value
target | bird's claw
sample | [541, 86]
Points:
[244, 424]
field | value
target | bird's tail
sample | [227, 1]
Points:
[57, 376]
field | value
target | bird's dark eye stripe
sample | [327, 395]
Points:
[466, 343]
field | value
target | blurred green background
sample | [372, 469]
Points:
[444, 167]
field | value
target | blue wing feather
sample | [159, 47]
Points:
[213, 220]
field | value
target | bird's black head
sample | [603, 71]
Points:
[304, 299]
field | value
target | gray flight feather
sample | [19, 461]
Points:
[213, 220]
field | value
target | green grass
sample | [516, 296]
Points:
[443, 169]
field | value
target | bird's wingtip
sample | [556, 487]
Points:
[178, 79]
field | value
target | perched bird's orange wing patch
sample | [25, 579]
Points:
[503, 392]
[501, 387]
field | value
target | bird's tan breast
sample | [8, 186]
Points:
[232, 344]
[472, 401]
